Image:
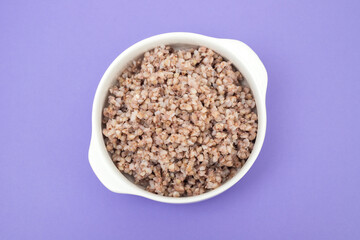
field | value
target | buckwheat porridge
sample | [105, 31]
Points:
[180, 122]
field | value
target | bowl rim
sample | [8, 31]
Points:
[216, 44]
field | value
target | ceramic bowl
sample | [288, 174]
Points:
[243, 58]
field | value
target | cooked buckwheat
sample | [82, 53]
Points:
[180, 122]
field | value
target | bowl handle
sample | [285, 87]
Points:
[253, 62]
[106, 171]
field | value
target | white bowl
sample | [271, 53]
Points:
[243, 58]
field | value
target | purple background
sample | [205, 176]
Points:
[305, 183]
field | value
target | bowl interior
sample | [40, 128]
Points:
[176, 46]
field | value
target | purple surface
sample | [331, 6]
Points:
[305, 183]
